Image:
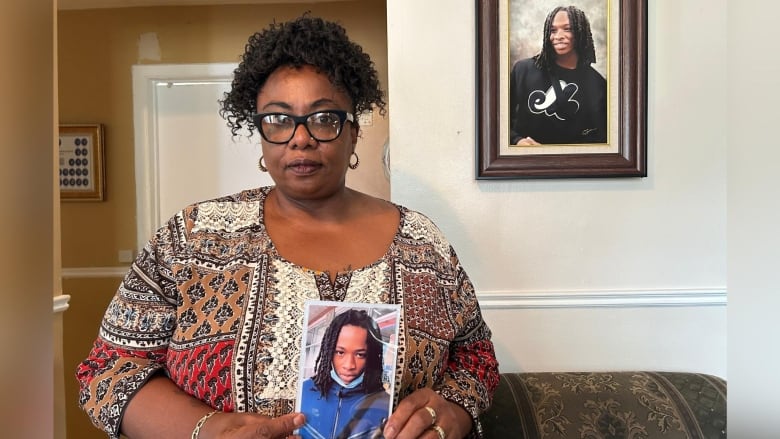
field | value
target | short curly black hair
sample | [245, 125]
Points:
[303, 41]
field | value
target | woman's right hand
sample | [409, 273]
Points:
[161, 409]
[250, 426]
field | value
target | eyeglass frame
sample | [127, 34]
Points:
[302, 120]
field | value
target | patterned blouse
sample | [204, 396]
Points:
[211, 303]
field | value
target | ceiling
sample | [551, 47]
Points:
[96, 4]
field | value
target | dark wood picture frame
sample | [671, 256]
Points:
[630, 160]
[81, 167]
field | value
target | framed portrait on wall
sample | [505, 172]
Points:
[561, 90]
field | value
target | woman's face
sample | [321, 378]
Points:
[561, 35]
[349, 357]
[304, 168]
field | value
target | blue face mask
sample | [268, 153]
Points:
[356, 382]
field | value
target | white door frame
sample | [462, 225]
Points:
[146, 79]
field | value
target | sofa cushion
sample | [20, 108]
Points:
[644, 405]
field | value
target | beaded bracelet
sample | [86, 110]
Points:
[200, 423]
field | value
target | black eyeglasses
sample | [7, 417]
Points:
[323, 126]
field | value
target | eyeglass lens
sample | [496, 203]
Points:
[323, 126]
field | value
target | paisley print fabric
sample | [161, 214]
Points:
[211, 304]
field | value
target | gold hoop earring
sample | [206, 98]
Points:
[357, 161]
[261, 166]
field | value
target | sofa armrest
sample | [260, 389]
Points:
[640, 404]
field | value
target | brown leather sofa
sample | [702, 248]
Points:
[607, 405]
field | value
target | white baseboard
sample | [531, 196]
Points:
[94, 272]
[61, 303]
[548, 300]
[533, 299]
[590, 299]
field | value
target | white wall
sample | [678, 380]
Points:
[576, 274]
[754, 215]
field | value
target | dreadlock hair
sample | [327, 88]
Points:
[583, 39]
[303, 41]
[372, 378]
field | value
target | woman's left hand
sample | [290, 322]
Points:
[425, 414]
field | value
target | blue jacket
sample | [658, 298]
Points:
[344, 414]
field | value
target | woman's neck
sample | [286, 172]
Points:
[334, 207]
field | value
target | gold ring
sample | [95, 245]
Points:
[439, 431]
[433, 414]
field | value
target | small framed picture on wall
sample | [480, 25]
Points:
[81, 170]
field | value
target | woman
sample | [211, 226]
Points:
[346, 398]
[203, 335]
[557, 97]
